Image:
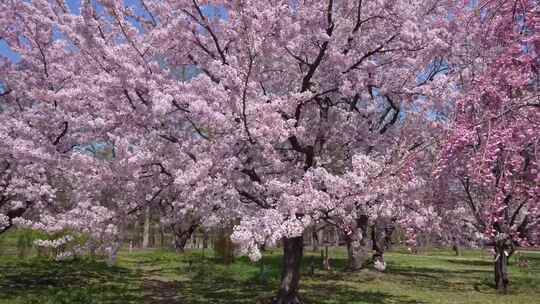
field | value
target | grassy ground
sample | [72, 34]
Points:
[162, 277]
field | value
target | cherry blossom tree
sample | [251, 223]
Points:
[31, 154]
[492, 147]
[294, 110]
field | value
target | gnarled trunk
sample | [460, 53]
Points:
[182, 235]
[377, 238]
[357, 253]
[381, 236]
[358, 244]
[501, 268]
[290, 273]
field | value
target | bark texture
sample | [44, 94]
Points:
[381, 237]
[290, 274]
[358, 246]
[182, 233]
[501, 268]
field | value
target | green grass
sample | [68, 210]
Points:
[163, 277]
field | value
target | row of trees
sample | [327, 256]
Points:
[274, 116]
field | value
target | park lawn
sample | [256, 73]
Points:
[164, 277]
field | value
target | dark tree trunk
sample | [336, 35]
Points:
[381, 237]
[378, 245]
[320, 237]
[377, 240]
[353, 260]
[181, 236]
[290, 272]
[206, 236]
[194, 243]
[358, 244]
[315, 240]
[357, 253]
[457, 249]
[501, 268]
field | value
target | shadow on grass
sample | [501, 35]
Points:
[241, 282]
[161, 292]
[214, 283]
[437, 279]
[79, 281]
[470, 262]
[331, 292]
[168, 278]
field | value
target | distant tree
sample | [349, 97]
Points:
[293, 113]
[490, 161]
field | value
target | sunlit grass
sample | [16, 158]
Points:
[160, 276]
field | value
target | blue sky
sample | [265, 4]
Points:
[5, 51]
[75, 5]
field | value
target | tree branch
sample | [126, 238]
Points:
[62, 134]
[369, 54]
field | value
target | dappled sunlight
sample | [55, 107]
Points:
[165, 277]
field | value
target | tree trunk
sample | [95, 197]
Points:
[146, 229]
[180, 241]
[290, 272]
[358, 244]
[325, 259]
[112, 258]
[377, 239]
[113, 255]
[357, 254]
[116, 244]
[315, 239]
[194, 241]
[92, 247]
[161, 235]
[457, 249]
[320, 236]
[181, 236]
[381, 237]
[206, 236]
[501, 269]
